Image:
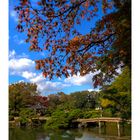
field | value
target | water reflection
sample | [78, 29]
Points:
[108, 133]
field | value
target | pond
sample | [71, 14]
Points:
[106, 133]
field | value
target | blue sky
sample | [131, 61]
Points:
[22, 65]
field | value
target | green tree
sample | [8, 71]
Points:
[25, 115]
[54, 23]
[53, 101]
[20, 96]
[117, 96]
[25, 101]
[84, 99]
[62, 119]
[58, 120]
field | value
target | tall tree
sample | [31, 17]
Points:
[117, 96]
[51, 26]
[84, 99]
[21, 96]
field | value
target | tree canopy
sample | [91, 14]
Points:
[51, 26]
[117, 96]
[61, 109]
[24, 98]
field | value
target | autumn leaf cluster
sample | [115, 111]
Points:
[50, 26]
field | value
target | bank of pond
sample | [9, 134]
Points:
[67, 116]
[82, 129]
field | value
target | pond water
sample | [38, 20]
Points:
[106, 133]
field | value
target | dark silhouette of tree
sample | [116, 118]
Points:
[51, 26]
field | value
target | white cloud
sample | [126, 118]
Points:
[21, 42]
[90, 90]
[13, 14]
[24, 67]
[97, 90]
[21, 66]
[28, 75]
[17, 40]
[20, 81]
[18, 65]
[47, 86]
[79, 80]
[12, 54]
[37, 79]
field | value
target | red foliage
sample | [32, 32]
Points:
[40, 101]
[106, 46]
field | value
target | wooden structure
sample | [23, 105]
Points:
[78, 122]
[84, 122]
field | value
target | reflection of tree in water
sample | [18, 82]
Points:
[65, 135]
[41, 134]
[21, 134]
[80, 134]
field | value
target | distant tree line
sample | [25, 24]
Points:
[114, 100]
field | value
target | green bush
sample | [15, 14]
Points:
[107, 112]
[74, 114]
[62, 118]
[58, 120]
[25, 114]
[91, 114]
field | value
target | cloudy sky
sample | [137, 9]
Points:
[22, 65]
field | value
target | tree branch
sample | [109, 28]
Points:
[94, 42]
